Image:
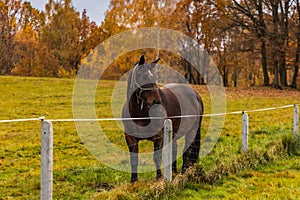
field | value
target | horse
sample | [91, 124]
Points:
[149, 105]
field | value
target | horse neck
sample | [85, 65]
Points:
[135, 107]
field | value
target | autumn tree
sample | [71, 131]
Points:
[279, 38]
[249, 15]
[131, 14]
[205, 23]
[61, 35]
[31, 57]
[9, 10]
[89, 34]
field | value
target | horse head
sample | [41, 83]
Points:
[143, 85]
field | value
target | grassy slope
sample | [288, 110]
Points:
[276, 180]
[78, 175]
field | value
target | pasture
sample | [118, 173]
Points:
[270, 169]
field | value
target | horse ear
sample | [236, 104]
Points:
[142, 60]
[156, 61]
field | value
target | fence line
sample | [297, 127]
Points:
[145, 118]
[173, 117]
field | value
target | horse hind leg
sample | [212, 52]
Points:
[196, 147]
[191, 151]
[174, 155]
[186, 160]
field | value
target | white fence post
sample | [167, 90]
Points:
[168, 149]
[245, 132]
[296, 120]
[47, 161]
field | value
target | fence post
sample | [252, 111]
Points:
[168, 149]
[296, 120]
[245, 132]
[47, 160]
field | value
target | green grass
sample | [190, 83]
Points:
[276, 180]
[268, 170]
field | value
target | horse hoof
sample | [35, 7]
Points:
[158, 177]
[183, 170]
[174, 169]
[133, 180]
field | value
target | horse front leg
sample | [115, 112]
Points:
[133, 147]
[191, 150]
[157, 156]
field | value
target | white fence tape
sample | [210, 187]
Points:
[172, 117]
[144, 118]
[21, 120]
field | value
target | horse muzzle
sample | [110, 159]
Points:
[153, 102]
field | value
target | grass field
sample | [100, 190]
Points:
[270, 169]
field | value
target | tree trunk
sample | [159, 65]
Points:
[276, 41]
[264, 63]
[234, 78]
[284, 43]
[262, 32]
[225, 78]
[275, 83]
[283, 77]
[296, 63]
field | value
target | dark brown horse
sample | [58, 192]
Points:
[146, 100]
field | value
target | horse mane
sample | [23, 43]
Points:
[129, 86]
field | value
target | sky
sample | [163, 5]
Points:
[95, 8]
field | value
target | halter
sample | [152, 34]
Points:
[142, 89]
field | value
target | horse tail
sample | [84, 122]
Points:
[197, 140]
